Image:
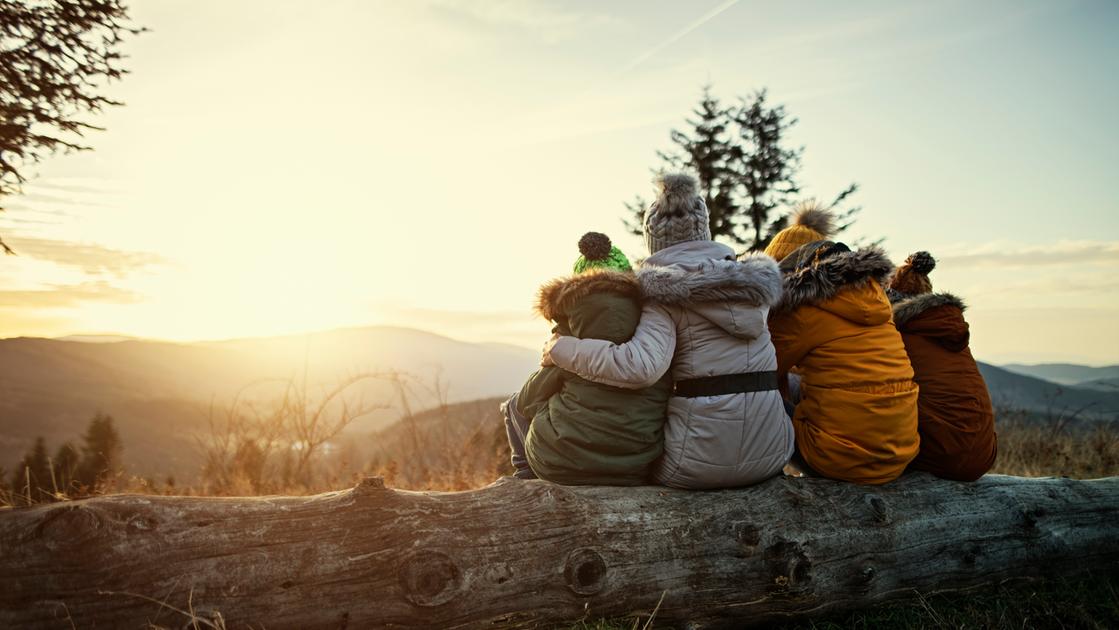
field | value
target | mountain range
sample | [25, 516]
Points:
[161, 393]
[1104, 378]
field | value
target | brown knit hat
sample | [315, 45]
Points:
[811, 222]
[912, 277]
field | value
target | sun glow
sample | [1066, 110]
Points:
[429, 164]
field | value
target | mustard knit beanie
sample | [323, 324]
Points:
[811, 223]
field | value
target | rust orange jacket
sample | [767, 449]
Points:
[955, 417]
[857, 417]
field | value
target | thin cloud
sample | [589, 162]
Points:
[91, 258]
[1047, 286]
[67, 295]
[703, 19]
[554, 23]
[1062, 253]
[79, 186]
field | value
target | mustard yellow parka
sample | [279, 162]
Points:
[857, 415]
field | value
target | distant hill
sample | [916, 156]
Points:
[97, 338]
[159, 392]
[461, 446]
[1103, 384]
[1067, 373]
[1013, 390]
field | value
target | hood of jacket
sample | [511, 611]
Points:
[938, 316]
[705, 271]
[705, 278]
[910, 307]
[557, 298]
[841, 284]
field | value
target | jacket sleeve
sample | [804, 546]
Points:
[635, 364]
[539, 387]
[790, 340]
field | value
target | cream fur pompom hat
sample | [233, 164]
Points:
[678, 214]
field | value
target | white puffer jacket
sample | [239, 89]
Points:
[705, 315]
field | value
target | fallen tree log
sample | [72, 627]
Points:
[529, 553]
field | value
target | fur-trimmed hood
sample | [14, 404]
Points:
[557, 297]
[705, 271]
[910, 307]
[819, 281]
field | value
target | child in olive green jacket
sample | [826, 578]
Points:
[569, 430]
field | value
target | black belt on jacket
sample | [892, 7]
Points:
[726, 384]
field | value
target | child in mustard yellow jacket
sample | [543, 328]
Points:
[856, 419]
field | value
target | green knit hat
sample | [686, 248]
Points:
[599, 253]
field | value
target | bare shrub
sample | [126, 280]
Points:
[252, 448]
[450, 447]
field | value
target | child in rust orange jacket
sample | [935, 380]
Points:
[954, 413]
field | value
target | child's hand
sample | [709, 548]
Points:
[546, 358]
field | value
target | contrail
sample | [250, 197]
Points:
[705, 18]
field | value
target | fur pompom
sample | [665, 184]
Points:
[812, 215]
[677, 185]
[921, 262]
[595, 246]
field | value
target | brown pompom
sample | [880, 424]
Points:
[921, 262]
[595, 246]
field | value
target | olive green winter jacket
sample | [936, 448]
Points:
[586, 433]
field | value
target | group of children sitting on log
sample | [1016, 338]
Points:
[706, 370]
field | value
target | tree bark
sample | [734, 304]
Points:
[520, 554]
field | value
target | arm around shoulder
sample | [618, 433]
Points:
[638, 363]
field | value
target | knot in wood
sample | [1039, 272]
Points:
[878, 509]
[72, 525]
[585, 572]
[142, 523]
[1030, 517]
[788, 564]
[748, 537]
[972, 555]
[429, 578]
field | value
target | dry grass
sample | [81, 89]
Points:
[463, 446]
[1086, 601]
[1056, 445]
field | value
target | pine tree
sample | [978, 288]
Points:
[6, 497]
[705, 152]
[101, 453]
[764, 168]
[745, 169]
[31, 480]
[66, 462]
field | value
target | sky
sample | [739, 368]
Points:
[285, 167]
